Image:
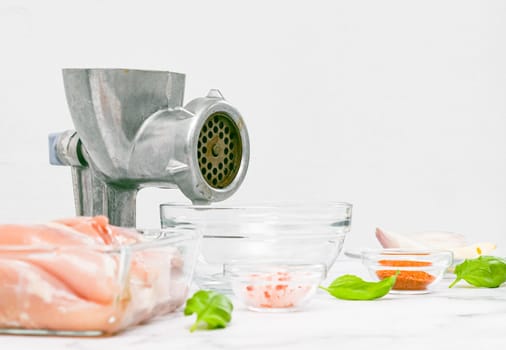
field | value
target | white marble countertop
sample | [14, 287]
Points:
[459, 317]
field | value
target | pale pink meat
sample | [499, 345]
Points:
[34, 299]
[75, 286]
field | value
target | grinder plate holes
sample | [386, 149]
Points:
[219, 150]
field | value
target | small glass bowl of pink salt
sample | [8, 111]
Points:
[274, 287]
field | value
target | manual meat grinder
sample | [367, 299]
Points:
[132, 131]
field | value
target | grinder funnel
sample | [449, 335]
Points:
[132, 132]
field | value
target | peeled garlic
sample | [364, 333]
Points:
[434, 240]
[473, 251]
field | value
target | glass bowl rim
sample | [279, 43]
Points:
[371, 257]
[273, 237]
[236, 270]
[403, 252]
[278, 205]
[294, 214]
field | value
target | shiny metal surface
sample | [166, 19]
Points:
[132, 131]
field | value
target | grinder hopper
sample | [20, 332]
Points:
[132, 131]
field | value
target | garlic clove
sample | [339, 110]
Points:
[421, 240]
[434, 240]
[473, 251]
[395, 240]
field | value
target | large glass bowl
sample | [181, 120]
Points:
[290, 232]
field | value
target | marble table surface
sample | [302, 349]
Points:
[461, 317]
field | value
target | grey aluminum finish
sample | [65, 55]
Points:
[132, 131]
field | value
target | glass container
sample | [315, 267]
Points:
[275, 286]
[419, 270]
[94, 290]
[310, 233]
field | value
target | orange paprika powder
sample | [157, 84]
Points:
[407, 280]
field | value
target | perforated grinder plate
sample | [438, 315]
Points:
[219, 150]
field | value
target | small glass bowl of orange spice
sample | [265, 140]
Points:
[419, 270]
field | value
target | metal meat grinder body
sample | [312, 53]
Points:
[132, 131]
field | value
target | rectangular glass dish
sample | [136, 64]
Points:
[94, 290]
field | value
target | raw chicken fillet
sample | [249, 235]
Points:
[72, 275]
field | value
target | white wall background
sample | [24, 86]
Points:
[396, 106]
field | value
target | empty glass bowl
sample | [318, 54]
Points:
[302, 233]
[275, 287]
[419, 270]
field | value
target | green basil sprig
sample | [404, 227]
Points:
[485, 271]
[214, 310]
[350, 287]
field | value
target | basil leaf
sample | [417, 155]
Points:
[213, 310]
[485, 271]
[351, 287]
